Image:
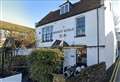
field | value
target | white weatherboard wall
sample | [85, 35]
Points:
[110, 37]
[70, 23]
[69, 57]
[14, 78]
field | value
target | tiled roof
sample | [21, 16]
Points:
[77, 8]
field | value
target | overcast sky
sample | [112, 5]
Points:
[28, 12]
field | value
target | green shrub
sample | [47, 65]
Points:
[20, 60]
[43, 64]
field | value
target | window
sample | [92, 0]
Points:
[80, 26]
[47, 34]
[64, 9]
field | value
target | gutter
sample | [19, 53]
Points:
[98, 50]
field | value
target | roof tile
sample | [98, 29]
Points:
[77, 8]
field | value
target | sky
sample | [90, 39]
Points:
[28, 12]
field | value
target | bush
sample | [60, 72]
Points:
[43, 63]
[20, 60]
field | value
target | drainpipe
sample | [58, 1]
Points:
[98, 50]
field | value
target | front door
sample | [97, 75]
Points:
[81, 57]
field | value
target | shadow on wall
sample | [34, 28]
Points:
[110, 48]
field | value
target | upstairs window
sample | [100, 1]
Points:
[64, 9]
[47, 34]
[80, 26]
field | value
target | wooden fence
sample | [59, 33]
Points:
[7, 58]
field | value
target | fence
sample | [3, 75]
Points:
[7, 58]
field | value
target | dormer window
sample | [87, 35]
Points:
[65, 8]
[62, 10]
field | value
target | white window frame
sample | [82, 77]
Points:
[63, 9]
[81, 34]
[47, 34]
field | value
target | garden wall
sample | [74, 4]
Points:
[14, 78]
[23, 51]
[95, 73]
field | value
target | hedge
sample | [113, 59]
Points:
[43, 63]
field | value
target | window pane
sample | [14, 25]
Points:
[66, 8]
[62, 10]
[47, 33]
[80, 26]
